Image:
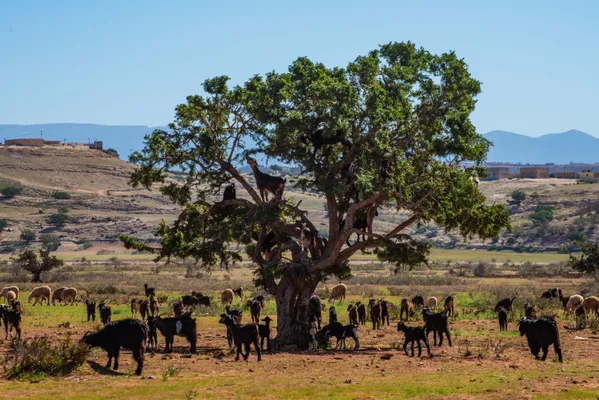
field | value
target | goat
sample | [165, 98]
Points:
[90, 307]
[178, 308]
[227, 296]
[238, 292]
[418, 302]
[255, 309]
[229, 193]
[353, 314]
[197, 294]
[105, 313]
[12, 319]
[502, 315]
[551, 293]
[508, 304]
[260, 299]
[407, 308]
[315, 309]
[150, 291]
[362, 314]
[39, 294]
[184, 326]
[531, 311]
[332, 315]
[57, 295]
[144, 309]
[384, 312]
[338, 292]
[267, 183]
[127, 333]
[449, 306]
[360, 223]
[438, 324]
[414, 334]
[341, 333]
[264, 331]
[540, 334]
[376, 313]
[204, 301]
[243, 335]
[235, 313]
[154, 306]
[17, 305]
[431, 303]
[318, 139]
[134, 308]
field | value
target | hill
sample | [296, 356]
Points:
[559, 148]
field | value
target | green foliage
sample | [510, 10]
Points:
[518, 196]
[29, 261]
[542, 214]
[84, 244]
[10, 192]
[577, 236]
[3, 224]
[61, 195]
[50, 242]
[59, 219]
[588, 262]
[28, 235]
[63, 210]
[112, 152]
[39, 357]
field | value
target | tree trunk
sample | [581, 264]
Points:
[36, 277]
[292, 296]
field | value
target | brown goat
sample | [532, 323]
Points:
[267, 183]
[353, 314]
[376, 313]
[406, 307]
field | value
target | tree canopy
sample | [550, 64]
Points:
[29, 261]
[390, 132]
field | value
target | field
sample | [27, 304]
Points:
[482, 363]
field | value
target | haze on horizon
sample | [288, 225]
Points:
[130, 63]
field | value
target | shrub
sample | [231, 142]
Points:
[577, 236]
[50, 242]
[28, 235]
[85, 244]
[483, 269]
[40, 357]
[3, 224]
[63, 209]
[518, 196]
[112, 152]
[58, 220]
[542, 214]
[11, 191]
[61, 195]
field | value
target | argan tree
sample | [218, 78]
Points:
[390, 133]
[29, 261]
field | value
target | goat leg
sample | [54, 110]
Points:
[558, 351]
[419, 348]
[545, 350]
[449, 337]
[116, 358]
[412, 355]
[405, 347]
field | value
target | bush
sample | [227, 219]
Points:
[84, 244]
[518, 196]
[50, 242]
[28, 235]
[40, 357]
[3, 224]
[11, 191]
[577, 236]
[112, 152]
[61, 195]
[483, 269]
[542, 214]
[58, 220]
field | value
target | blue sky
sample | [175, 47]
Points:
[130, 62]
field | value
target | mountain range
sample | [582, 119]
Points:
[559, 148]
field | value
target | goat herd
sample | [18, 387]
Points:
[141, 335]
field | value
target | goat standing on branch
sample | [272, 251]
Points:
[396, 135]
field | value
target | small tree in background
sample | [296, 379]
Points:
[112, 152]
[11, 191]
[28, 235]
[518, 196]
[58, 220]
[588, 262]
[3, 224]
[50, 242]
[61, 195]
[29, 261]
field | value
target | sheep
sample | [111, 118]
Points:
[105, 313]
[414, 334]
[57, 295]
[338, 292]
[229, 193]
[127, 333]
[243, 335]
[332, 315]
[573, 303]
[149, 291]
[226, 296]
[591, 303]
[437, 323]
[267, 183]
[449, 306]
[431, 303]
[531, 311]
[90, 307]
[40, 294]
[12, 319]
[385, 312]
[238, 292]
[407, 308]
[264, 331]
[505, 303]
[353, 314]
[362, 314]
[10, 296]
[376, 313]
[134, 308]
[255, 309]
[170, 327]
[540, 334]
[502, 315]
[144, 309]
[154, 306]
[69, 295]
[315, 309]
[341, 333]
[7, 289]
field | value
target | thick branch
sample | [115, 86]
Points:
[233, 171]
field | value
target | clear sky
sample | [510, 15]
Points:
[130, 62]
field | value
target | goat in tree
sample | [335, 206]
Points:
[267, 183]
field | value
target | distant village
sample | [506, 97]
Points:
[582, 172]
[96, 145]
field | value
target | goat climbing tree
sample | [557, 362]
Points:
[388, 134]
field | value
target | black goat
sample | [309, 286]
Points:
[267, 183]
[12, 319]
[332, 315]
[540, 334]
[238, 292]
[340, 332]
[235, 313]
[150, 291]
[127, 333]
[243, 335]
[362, 314]
[376, 313]
[315, 309]
[90, 306]
[508, 304]
[318, 139]
[502, 315]
[531, 311]
[418, 302]
[353, 314]
[264, 331]
[361, 223]
[184, 326]
[414, 334]
[190, 301]
[178, 308]
[260, 299]
[384, 312]
[229, 193]
[437, 323]
[105, 313]
[204, 301]
[255, 309]
[144, 309]
[551, 293]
